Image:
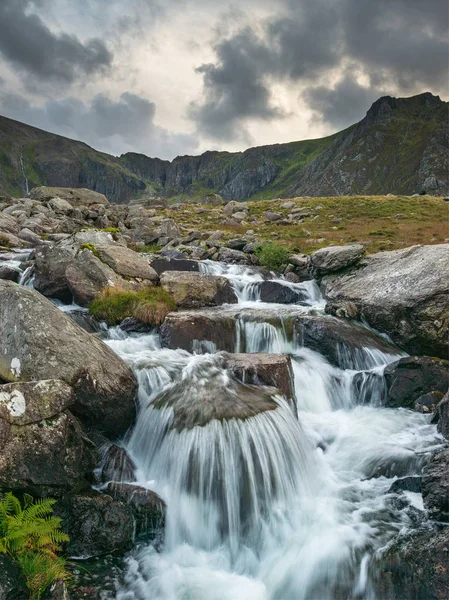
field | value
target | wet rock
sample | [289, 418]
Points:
[146, 507]
[12, 583]
[427, 403]
[8, 273]
[181, 330]
[273, 291]
[85, 320]
[195, 290]
[413, 376]
[414, 567]
[38, 341]
[132, 325]
[116, 464]
[162, 264]
[334, 258]
[441, 416]
[75, 196]
[408, 484]
[403, 293]
[273, 370]
[435, 486]
[96, 524]
[126, 262]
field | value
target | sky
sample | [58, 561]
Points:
[174, 77]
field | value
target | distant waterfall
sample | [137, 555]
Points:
[27, 189]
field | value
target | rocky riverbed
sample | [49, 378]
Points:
[275, 420]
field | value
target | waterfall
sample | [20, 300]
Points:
[23, 171]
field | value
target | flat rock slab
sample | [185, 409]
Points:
[75, 196]
[126, 262]
[195, 290]
[334, 258]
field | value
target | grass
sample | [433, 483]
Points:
[272, 255]
[146, 249]
[149, 306]
[4, 241]
[379, 222]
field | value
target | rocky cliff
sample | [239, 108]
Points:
[400, 147]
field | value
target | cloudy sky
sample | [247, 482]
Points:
[171, 77]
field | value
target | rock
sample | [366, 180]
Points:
[334, 258]
[146, 507]
[273, 291]
[44, 457]
[194, 290]
[404, 293]
[162, 264]
[239, 216]
[38, 341]
[75, 196]
[50, 267]
[435, 486]
[60, 205]
[409, 484]
[414, 568]
[412, 376]
[230, 208]
[12, 583]
[116, 464]
[9, 273]
[30, 237]
[181, 330]
[132, 325]
[237, 244]
[272, 216]
[441, 416]
[96, 524]
[427, 403]
[126, 262]
[274, 370]
[235, 257]
[25, 403]
[301, 264]
[292, 277]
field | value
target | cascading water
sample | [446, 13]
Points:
[262, 503]
[22, 166]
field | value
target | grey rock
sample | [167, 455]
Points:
[334, 258]
[75, 196]
[195, 290]
[435, 486]
[126, 262]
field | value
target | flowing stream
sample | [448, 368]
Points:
[282, 505]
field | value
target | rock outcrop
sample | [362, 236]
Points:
[435, 486]
[38, 341]
[74, 197]
[195, 290]
[404, 293]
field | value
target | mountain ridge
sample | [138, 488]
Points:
[400, 146]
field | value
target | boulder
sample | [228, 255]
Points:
[334, 258]
[195, 290]
[435, 486]
[301, 266]
[273, 291]
[96, 524]
[44, 450]
[50, 267]
[411, 377]
[125, 262]
[234, 257]
[441, 416]
[116, 464]
[414, 567]
[38, 341]
[146, 507]
[60, 205]
[404, 293]
[181, 330]
[163, 263]
[274, 370]
[427, 403]
[12, 583]
[75, 196]
[9, 273]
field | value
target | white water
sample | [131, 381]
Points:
[22, 166]
[274, 507]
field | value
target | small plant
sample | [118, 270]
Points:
[90, 247]
[4, 241]
[32, 537]
[272, 255]
[148, 249]
[149, 306]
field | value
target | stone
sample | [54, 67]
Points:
[412, 376]
[126, 262]
[38, 341]
[182, 329]
[237, 244]
[162, 264]
[234, 257]
[273, 291]
[335, 258]
[116, 464]
[75, 196]
[9, 273]
[272, 216]
[30, 237]
[427, 403]
[25, 403]
[96, 524]
[239, 216]
[407, 484]
[435, 486]
[441, 416]
[273, 370]
[146, 507]
[404, 293]
[12, 583]
[195, 290]
[301, 264]
[60, 205]
[230, 208]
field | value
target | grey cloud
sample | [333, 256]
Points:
[110, 126]
[397, 45]
[27, 42]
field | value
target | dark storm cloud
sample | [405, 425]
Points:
[27, 42]
[111, 126]
[395, 44]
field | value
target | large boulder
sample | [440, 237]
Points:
[195, 290]
[96, 524]
[163, 263]
[275, 292]
[38, 341]
[186, 329]
[404, 293]
[125, 262]
[334, 258]
[44, 449]
[411, 377]
[274, 370]
[441, 416]
[75, 196]
[435, 486]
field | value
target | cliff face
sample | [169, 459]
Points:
[401, 146]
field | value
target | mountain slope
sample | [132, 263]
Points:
[401, 147]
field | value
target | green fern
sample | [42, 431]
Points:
[32, 537]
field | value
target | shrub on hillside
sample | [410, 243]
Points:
[149, 306]
[272, 255]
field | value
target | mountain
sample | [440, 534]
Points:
[400, 147]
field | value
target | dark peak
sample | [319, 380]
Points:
[384, 107]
